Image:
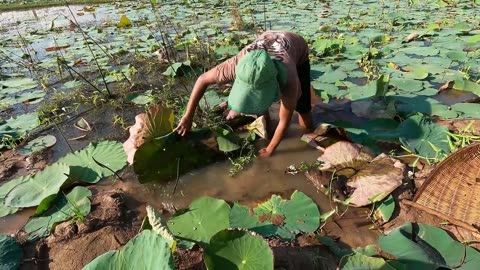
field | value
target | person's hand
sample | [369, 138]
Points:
[265, 152]
[184, 126]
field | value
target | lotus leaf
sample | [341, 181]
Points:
[156, 122]
[160, 227]
[467, 110]
[421, 246]
[234, 249]
[16, 128]
[11, 253]
[358, 261]
[386, 208]
[284, 218]
[210, 100]
[37, 144]
[333, 76]
[141, 98]
[407, 85]
[17, 84]
[177, 69]
[4, 190]
[204, 217]
[425, 138]
[73, 205]
[342, 155]
[97, 160]
[422, 51]
[227, 140]
[466, 85]
[34, 188]
[144, 251]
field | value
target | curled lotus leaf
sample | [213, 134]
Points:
[343, 155]
[156, 122]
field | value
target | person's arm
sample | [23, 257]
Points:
[287, 106]
[199, 88]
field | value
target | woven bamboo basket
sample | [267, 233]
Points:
[453, 187]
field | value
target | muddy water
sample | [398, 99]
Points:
[255, 184]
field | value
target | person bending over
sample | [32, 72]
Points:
[274, 67]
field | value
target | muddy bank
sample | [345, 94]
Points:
[116, 218]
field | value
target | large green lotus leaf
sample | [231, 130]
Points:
[37, 187]
[37, 144]
[421, 246]
[424, 105]
[416, 73]
[17, 84]
[204, 217]
[466, 85]
[301, 214]
[241, 217]
[4, 190]
[407, 85]
[374, 88]
[147, 250]
[170, 156]
[234, 249]
[422, 51]
[30, 97]
[358, 261]
[97, 160]
[425, 138]
[223, 52]
[155, 123]
[467, 110]
[457, 56]
[64, 207]
[333, 76]
[11, 253]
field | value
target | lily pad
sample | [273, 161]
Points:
[34, 188]
[141, 98]
[37, 144]
[386, 208]
[144, 251]
[204, 217]
[234, 249]
[17, 84]
[11, 254]
[407, 85]
[467, 110]
[97, 160]
[73, 205]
